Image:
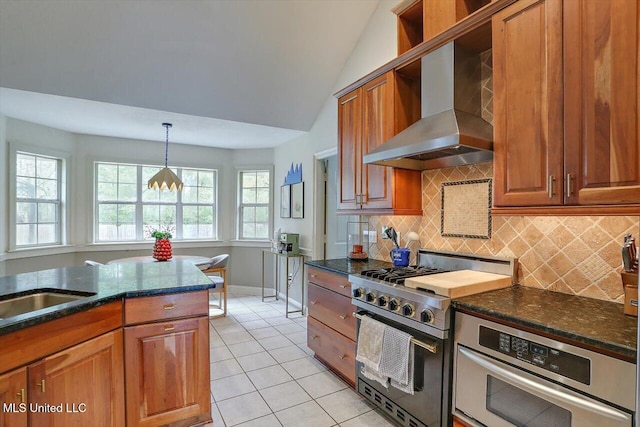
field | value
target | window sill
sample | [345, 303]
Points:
[251, 243]
[39, 251]
[120, 246]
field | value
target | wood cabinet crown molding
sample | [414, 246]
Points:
[465, 26]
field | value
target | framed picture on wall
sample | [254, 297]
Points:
[285, 201]
[297, 200]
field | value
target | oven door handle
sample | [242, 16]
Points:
[431, 347]
[542, 390]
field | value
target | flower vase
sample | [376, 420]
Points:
[162, 249]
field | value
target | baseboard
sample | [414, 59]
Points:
[244, 290]
[252, 290]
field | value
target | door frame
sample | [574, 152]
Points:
[317, 251]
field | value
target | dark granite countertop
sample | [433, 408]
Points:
[104, 284]
[346, 266]
[592, 323]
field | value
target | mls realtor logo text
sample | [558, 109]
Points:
[78, 408]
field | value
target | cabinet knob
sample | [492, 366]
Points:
[344, 286]
[21, 395]
[169, 328]
[313, 275]
[169, 306]
[342, 356]
[41, 384]
[343, 316]
[313, 302]
[314, 337]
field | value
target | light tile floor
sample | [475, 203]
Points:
[263, 374]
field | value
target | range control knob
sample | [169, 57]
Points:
[394, 305]
[383, 300]
[408, 310]
[370, 297]
[427, 316]
[358, 293]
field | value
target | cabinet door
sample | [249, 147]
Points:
[86, 381]
[528, 127]
[13, 395]
[349, 150]
[601, 101]
[167, 372]
[377, 128]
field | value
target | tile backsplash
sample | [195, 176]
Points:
[571, 254]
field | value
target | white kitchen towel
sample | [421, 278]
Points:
[397, 357]
[370, 338]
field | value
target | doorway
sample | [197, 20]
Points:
[331, 228]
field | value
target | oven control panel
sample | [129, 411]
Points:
[551, 359]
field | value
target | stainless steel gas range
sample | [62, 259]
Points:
[381, 294]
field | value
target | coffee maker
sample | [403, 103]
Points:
[289, 243]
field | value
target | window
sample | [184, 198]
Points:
[38, 199]
[126, 208]
[254, 210]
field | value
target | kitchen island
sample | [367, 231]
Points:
[147, 323]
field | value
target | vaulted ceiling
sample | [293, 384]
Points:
[227, 73]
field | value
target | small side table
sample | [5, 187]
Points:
[287, 256]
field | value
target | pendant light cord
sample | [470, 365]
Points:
[166, 147]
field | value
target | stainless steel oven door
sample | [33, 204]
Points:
[500, 395]
[430, 404]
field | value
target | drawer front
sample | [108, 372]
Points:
[332, 309]
[333, 281]
[161, 307]
[334, 349]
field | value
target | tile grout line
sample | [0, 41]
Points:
[244, 372]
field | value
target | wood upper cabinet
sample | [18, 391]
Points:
[13, 394]
[87, 380]
[366, 119]
[349, 149]
[566, 88]
[167, 372]
[527, 80]
[602, 85]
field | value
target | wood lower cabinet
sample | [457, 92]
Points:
[13, 396]
[167, 366]
[367, 118]
[332, 309]
[86, 381]
[80, 386]
[334, 349]
[331, 329]
[567, 122]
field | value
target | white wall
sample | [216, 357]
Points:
[377, 46]
[86, 149]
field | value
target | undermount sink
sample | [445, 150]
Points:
[27, 303]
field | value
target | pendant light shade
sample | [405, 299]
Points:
[165, 178]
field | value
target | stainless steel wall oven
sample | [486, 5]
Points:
[506, 377]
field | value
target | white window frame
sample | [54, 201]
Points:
[64, 159]
[239, 206]
[139, 204]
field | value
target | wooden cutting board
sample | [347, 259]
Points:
[456, 284]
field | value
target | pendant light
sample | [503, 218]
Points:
[166, 178]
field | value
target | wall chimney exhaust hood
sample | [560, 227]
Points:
[451, 131]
